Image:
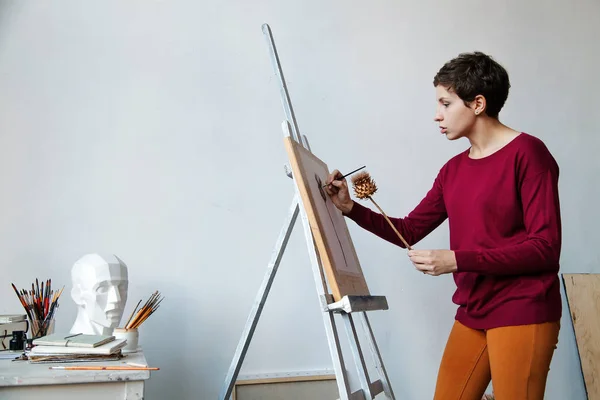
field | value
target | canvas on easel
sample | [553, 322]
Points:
[333, 261]
[331, 235]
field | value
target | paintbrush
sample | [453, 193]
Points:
[133, 312]
[22, 300]
[365, 188]
[107, 368]
[343, 176]
[145, 311]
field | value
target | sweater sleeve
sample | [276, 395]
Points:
[540, 251]
[427, 216]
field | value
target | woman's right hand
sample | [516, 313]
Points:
[338, 192]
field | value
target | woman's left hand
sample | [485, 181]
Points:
[433, 262]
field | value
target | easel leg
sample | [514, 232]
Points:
[387, 388]
[359, 360]
[259, 303]
[336, 355]
[328, 317]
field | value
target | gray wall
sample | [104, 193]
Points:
[151, 130]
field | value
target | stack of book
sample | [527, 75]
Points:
[74, 348]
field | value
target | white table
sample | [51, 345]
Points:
[24, 381]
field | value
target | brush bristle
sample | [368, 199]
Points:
[364, 185]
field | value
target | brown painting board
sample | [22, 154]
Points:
[328, 226]
[583, 298]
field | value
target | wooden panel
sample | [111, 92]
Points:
[583, 296]
[289, 388]
[327, 223]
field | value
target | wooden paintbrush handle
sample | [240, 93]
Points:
[392, 225]
[101, 368]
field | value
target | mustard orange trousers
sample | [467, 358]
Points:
[515, 358]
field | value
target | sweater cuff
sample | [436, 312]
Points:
[467, 261]
[358, 212]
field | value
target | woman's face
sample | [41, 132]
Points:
[455, 119]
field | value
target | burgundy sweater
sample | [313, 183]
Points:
[505, 229]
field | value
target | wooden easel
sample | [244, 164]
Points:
[346, 306]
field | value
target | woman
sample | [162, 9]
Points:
[501, 200]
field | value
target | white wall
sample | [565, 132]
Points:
[151, 130]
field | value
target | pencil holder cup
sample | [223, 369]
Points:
[132, 336]
[39, 328]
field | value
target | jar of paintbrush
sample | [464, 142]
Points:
[130, 331]
[40, 304]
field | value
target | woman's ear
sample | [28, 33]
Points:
[478, 104]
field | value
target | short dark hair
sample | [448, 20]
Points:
[472, 74]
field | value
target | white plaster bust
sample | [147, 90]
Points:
[100, 292]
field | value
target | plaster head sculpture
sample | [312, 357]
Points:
[100, 292]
